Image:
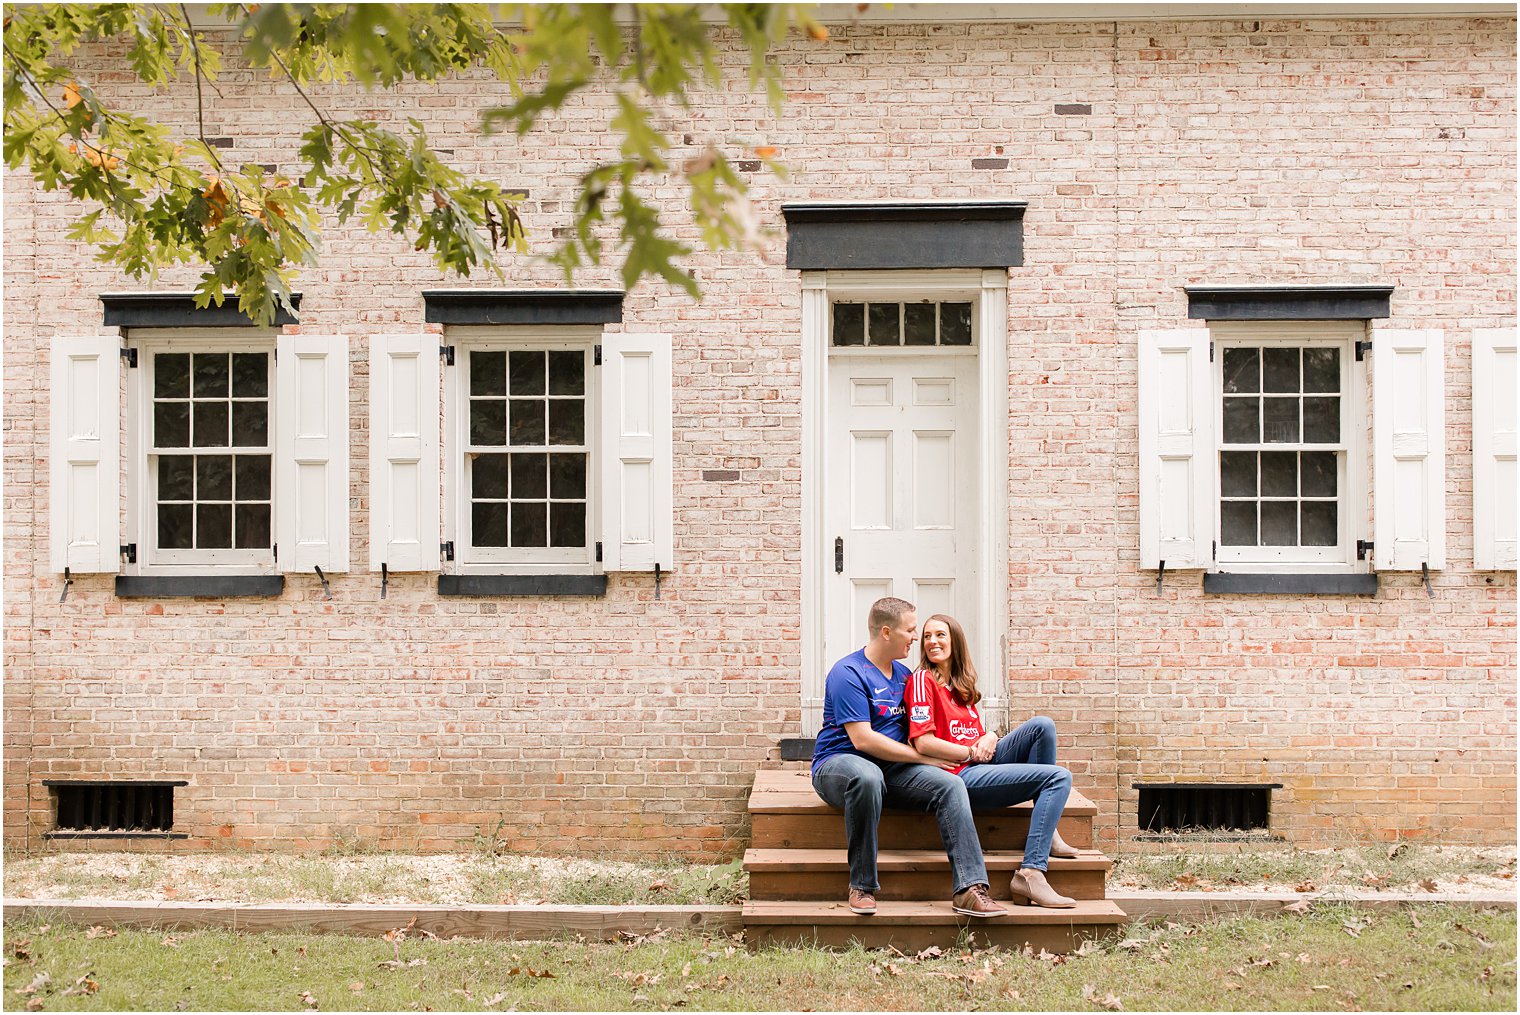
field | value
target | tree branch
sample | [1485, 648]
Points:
[200, 109]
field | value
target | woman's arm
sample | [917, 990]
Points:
[932, 746]
[866, 740]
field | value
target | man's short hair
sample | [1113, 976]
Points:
[887, 612]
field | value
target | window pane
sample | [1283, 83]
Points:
[1319, 474]
[527, 373]
[488, 422]
[488, 373]
[1279, 421]
[530, 524]
[488, 524]
[567, 373]
[250, 375]
[567, 524]
[1322, 369]
[1319, 519]
[567, 476]
[955, 324]
[1280, 370]
[1242, 371]
[1237, 473]
[530, 476]
[171, 375]
[1242, 423]
[213, 526]
[488, 479]
[1279, 523]
[250, 424]
[1238, 523]
[171, 424]
[1279, 474]
[527, 421]
[210, 374]
[886, 324]
[252, 477]
[213, 477]
[1322, 420]
[918, 324]
[175, 528]
[567, 421]
[176, 477]
[210, 425]
[849, 324]
[252, 526]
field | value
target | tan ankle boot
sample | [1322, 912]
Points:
[1030, 888]
[1060, 847]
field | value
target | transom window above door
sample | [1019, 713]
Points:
[899, 324]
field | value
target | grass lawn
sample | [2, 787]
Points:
[1332, 958]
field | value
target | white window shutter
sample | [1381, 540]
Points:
[1495, 390]
[404, 418]
[637, 527]
[311, 459]
[1177, 449]
[1408, 450]
[85, 452]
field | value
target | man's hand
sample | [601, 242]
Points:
[982, 750]
[948, 766]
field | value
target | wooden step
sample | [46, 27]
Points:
[786, 813]
[905, 874]
[911, 926]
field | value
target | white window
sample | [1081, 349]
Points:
[233, 459]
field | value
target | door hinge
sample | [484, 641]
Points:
[598, 551]
[1363, 547]
[596, 355]
[129, 551]
[447, 549]
[1362, 349]
[130, 355]
[447, 352]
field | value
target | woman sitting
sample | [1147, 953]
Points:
[943, 722]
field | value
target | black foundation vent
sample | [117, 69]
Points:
[114, 807]
[1205, 806]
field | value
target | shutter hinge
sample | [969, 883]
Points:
[447, 352]
[275, 549]
[599, 552]
[596, 355]
[1211, 352]
[129, 551]
[130, 355]
[447, 549]
[1362, 349]
[1214, 549]
[1363, 547]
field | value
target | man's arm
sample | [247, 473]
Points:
[877, 745]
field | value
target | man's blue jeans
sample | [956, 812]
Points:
[1024, 768]
[861, 786]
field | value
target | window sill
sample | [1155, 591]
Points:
[522, 585]
[219, 586]
[1279, 584]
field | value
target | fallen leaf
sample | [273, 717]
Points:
[1109, 1000]
[1426, 884]
[34, 1004]
[931, 952]
[39, 981]
[1300, 907]
[356, 986]
[307, 999]
[1375, 880]
[170, 941]
[1304, 886]
[1396, 849]
[492, 1002]
[1305, 957]
[1415, 921]
[1185, 880]
[99, 931]
[686, 970]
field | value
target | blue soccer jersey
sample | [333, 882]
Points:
[855, 691]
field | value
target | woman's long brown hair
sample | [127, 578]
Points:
[958, 673]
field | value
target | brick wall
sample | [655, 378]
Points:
[1286, 151]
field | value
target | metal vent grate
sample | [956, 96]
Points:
[1183, 807]
[114, 806]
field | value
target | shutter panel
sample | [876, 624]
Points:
[1177, 449]
[311, 459]
[1409, 450]
[84, 493]
[637, 527]
[404, 412]
[1495, 391]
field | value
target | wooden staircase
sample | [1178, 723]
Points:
[799, 876]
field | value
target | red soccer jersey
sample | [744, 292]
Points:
[935, 709]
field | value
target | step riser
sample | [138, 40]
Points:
[905, 885]
[1056, 940]
[902, 831]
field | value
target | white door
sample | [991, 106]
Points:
[901, 491]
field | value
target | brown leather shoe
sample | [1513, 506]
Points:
[862, 903]
[1030, 888]
[975, 901]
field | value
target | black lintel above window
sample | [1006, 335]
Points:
[178, 310]
[522, 306]
[941, 234]
[1288, 303]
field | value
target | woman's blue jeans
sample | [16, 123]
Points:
[1024, 768]
[861, 786]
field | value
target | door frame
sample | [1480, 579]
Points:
[989, 288]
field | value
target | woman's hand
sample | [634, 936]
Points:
[948, 766]
[982, 750]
